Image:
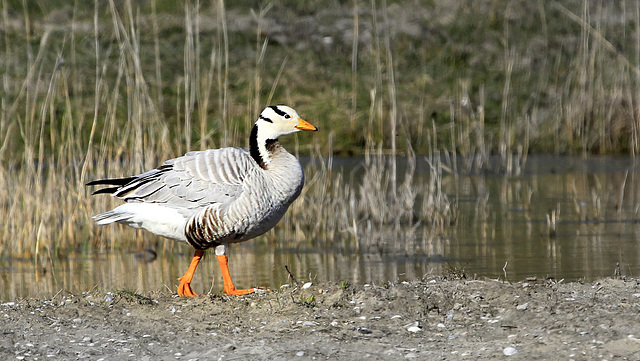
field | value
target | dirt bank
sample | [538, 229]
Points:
[429, 319]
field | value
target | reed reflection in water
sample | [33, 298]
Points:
[249, 265]
[506, 220]
[502, 230]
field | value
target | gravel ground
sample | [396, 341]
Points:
[428, 319]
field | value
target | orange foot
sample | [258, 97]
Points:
[229, 288]
[239, 291]
[184, 289]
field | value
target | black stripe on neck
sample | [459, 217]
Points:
[277, 110]
[270, 145]
[254, 151]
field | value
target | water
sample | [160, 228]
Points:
[595, 230]
[501, 232]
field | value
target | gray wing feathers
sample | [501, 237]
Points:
[147, 189]
[226, 166]
[111, 216]
[193, 181]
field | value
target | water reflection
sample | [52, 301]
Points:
[596, 203]
[250, 265]
[501, 231]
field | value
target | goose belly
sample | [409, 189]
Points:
[267, 222]
[261, 206]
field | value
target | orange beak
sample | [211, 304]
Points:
[304, 125]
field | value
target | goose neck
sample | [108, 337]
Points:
[262, 148]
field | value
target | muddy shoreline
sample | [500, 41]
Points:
[432, 318]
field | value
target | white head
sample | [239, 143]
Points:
[274, 121]
[277, 120]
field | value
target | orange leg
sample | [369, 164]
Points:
[229, 288]
[184, 289]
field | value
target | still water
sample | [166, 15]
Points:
[501, 231]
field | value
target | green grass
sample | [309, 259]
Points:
[112, 88]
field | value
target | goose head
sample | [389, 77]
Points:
[277, 120]
[273, 122]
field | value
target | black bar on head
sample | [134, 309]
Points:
[277, 110]
[266, 119]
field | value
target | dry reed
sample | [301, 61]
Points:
[70, 115]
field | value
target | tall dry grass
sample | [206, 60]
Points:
[55, 141]
[93, 91]
[44, 202]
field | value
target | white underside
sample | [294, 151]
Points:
[157, 219]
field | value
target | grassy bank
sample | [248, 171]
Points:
[112, 88]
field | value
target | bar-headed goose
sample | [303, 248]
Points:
[215, 197]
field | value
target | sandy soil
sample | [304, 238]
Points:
[428, 319]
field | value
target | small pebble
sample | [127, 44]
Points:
[300, 353]
[306, 285]
[508, 351]
[522, 307]
[364, 330]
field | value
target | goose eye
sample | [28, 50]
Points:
[287, 116]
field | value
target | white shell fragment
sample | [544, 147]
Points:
[508, 351]
[306, 285]
[414, 327]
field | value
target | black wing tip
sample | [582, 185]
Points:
[109, 190]
[94, 182]
[117, 182]
[111, 181]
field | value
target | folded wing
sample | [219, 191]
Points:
[188, 183]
